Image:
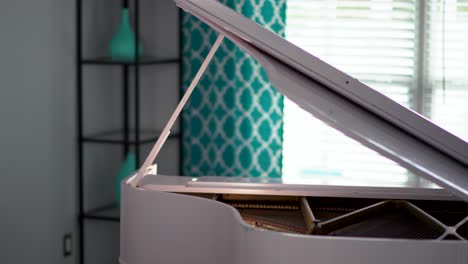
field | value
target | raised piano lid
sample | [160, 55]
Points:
[343, 102]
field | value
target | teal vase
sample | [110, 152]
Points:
[122, 46]
[127, 168]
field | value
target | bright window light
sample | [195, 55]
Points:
[379, 43]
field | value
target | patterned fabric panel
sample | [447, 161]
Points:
[233, 121]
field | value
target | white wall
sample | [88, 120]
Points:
[37, 111]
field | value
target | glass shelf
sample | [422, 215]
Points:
[148, 60]
[117, 137]
[109, 212]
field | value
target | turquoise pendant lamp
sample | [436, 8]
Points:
[122, 46]
[128, 167]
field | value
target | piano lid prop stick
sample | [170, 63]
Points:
[167, 129]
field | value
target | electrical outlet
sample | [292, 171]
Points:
[67, 245]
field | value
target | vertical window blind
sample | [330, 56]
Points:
[398, 47]
[446, 65]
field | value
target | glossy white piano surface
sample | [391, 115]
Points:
[174, 219]
[414, 188]
[159, 226]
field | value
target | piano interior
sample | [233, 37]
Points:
[352, 217]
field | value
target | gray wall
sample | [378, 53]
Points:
[37, 152]
[37, 111]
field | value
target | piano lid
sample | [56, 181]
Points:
[343, 102]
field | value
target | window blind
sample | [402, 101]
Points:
[446, 65]
[373, 41]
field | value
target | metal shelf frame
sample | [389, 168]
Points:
[127, 137]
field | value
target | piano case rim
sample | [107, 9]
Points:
[141, 237]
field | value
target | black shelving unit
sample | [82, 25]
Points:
[141, 61]
[126, 137]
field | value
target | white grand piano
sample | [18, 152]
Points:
[175, 219]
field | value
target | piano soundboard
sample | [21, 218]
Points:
[351, 217]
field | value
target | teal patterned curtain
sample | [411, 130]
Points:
[233, 121]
